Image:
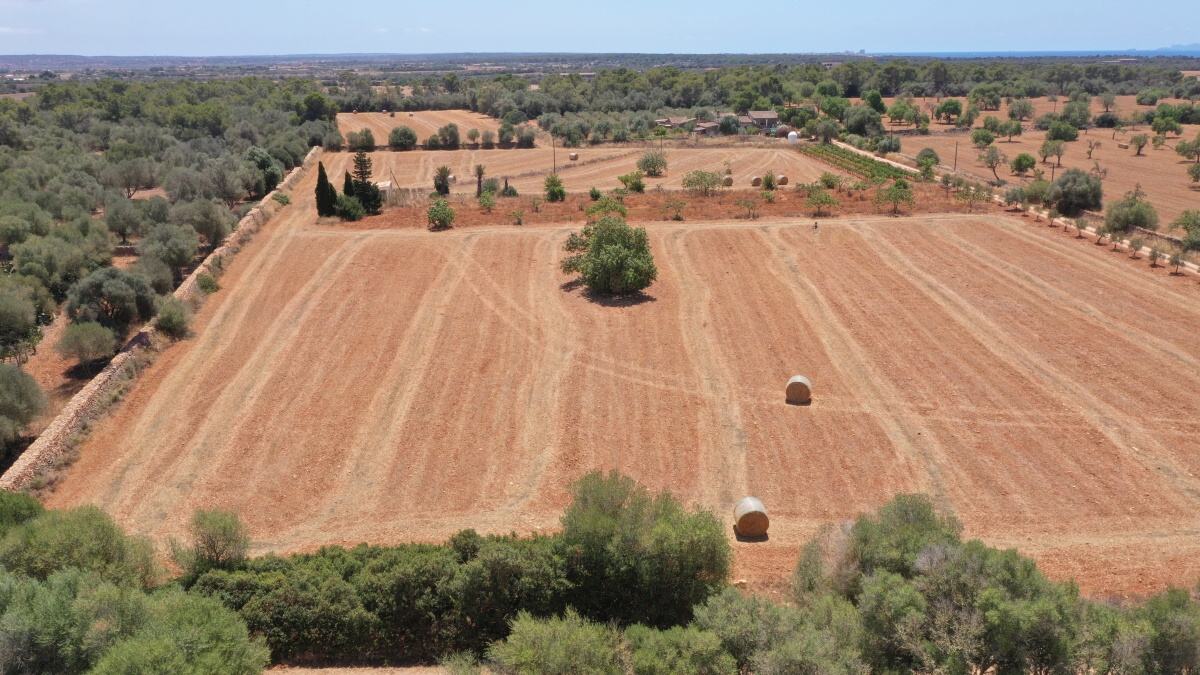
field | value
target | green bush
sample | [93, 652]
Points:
[633, 181]
[653, 163]
[87, 342]
[207, 283]
[15, 509]
[638, 558]
[1061, 131]
[1075, 191]
[219, 540]
[173, 318]
[111, 297]
[594, 194]
[84, 538]
[349, 208]
[686, 651]
[21, 400]
[611, 257]
[1023, 163]
[569, 644]
[555, 192]
[440, 215]
[402, 138]
[1131, 211]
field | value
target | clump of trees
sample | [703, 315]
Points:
[1075, 191]
[1130, 212]
[402, 138]
[611, 257]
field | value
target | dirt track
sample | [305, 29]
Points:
[397, 385]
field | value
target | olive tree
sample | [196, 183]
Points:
[111, 297]
[1075, 191]
[21, 400]
[653, 164]
[86, 342]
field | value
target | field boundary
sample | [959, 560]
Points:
[64, 431]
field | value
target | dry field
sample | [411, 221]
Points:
[424, 122]
[398, 385]
[1124, 106]
[1161, 173]
[596, 166]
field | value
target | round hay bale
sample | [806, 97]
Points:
[750, 518]
[793, 137]
[453, 178]
[799, 390]
[781, 180]
[756, 181]
[573, 156]
[728, 181]
[782, 131]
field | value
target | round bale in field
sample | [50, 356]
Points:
[793, 137]
[750, 518]
[782, 180]
[573, 156]
[756, 181]
[782, 131]
[799, 390]
[728, 181]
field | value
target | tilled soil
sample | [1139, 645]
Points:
[395, 385]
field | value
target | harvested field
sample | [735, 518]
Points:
[398, 385]
[1124, 106]
[1161, 173]
[599, 167]
[424, 122]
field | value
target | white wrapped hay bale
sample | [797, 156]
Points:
[750, 518]
[799, 390]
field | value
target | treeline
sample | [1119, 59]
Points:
[634, 583]
[73, 160]
[757, 87]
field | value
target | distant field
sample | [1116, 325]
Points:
[596, 167]
[399, 385]
[1162, 174]
[424, 122]
[1124, 106]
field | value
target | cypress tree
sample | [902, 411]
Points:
[348, 185]
[326, 194]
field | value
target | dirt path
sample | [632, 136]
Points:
[399, 385]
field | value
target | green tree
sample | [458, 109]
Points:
[1061, 131]
[365, 190]
[982, 138]
[553, 186]
[19, 332]
[702, 183]
[326, 194]
[86, 342]
[1075, 191]
[174, 318]
[1052, 148]
[611, 257]
[1010, 128]
[897, 194]
[1130, 212]
[218, 540]
[480, 171]
[1020, 109]
[1189, 149]
[111, 297]
[993, 158]
[820, 201]
[653, 163]
[21, 400]
[123, 218]
[1022, 164]
[441, 180]
[886, 145]
[209, 219]
[570, 644]
[948, 109]
[682, 650]
[1138, 141]
[174, 245]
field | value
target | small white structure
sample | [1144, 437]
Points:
[750, 518]
[793, 137]
[799, 390]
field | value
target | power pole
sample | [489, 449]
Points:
[553, 154]
[955, 156]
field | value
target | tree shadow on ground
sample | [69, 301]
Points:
[753, 540]
[605, 299]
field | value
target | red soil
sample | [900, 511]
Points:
[395, 385]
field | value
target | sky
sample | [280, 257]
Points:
[253, 27]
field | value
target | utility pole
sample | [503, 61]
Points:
[955, 156]
[553, 154]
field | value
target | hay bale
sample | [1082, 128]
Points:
[453, 178]
[756, 181]
[799, 390]
[1123, 146]
[781, 180]
[782, 131]
[728, 181]
[574, 156]
[750, 518]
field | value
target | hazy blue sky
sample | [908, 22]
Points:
[227, 27]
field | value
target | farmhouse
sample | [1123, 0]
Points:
[707, 129]
[674, 122]
[763, 119]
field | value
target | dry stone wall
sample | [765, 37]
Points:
[95, 397]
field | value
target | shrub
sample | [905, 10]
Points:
[17, 508]
[981, 138]
[897, 194]
[1038, 191]
[769, 181]
[441, 180]
[487, 202]
[1075, 191]
[594, 194]
[887, 144]
[653, 163]
[821, 201]
[349, 208]
[84, 538]
[677, 650]
[569, 644]
[173, 318]
[21, 400]
[1062, 131]
[86, 342]
[634, 557]
[1131, 211]
[553, 186]
[1022, 163]
[606, 206]
[1193, 172]
[111, 297]
[174, 245]
[633, 181]
[702, 183]
[207, 283]
[281, 199]
[219, 540]
[440, 215]
[402, 138]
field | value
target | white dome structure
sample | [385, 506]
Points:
[793, 137]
